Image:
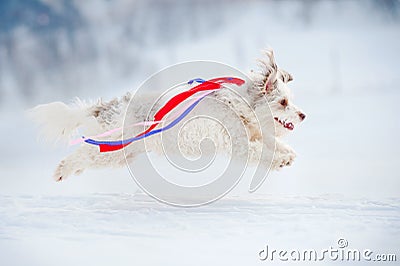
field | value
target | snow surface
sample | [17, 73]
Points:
[125, 229]
[344, 183]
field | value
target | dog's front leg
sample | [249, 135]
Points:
[284, 155]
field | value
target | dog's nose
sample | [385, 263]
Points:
[302, 116]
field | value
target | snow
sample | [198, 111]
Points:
[125, 229]
[344, 183]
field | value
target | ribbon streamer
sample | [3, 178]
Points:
[208, 86]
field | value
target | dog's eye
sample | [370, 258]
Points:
[284, 102]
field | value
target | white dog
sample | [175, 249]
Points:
[265, 92]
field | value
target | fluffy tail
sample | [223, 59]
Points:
[58, 121]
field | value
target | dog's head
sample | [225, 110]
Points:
[272, 82]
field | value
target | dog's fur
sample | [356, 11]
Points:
[267, 84]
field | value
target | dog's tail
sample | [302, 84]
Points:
[58, 121]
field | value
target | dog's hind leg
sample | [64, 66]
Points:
[87, 157]
[68, 166]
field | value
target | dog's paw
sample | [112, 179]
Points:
[287, 159]
[61, 172]
[283, 158]
[64, 170]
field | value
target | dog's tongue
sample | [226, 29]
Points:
[289, 126]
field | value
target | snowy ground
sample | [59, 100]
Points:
[123, 229]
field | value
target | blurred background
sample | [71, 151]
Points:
[343, 55]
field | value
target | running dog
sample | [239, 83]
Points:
[263, 107]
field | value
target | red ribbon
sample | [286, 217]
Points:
[211, 84]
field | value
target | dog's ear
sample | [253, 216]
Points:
[269, 71]
[286, 77]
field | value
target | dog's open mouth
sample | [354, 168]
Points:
[287, 125]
